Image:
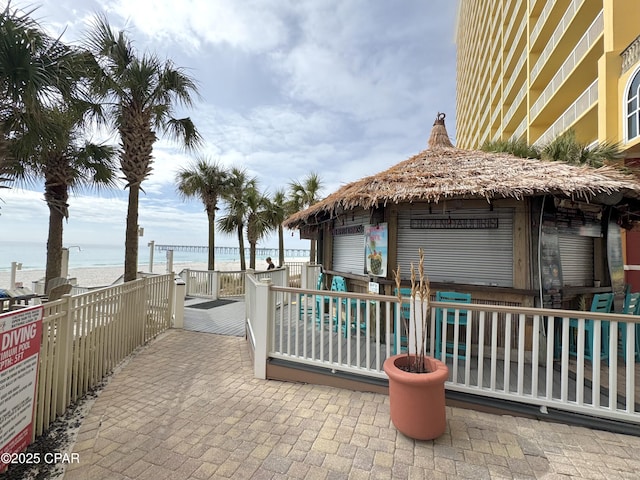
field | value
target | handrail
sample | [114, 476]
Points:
[545, 312]
[584, 102]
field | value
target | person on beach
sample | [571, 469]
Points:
[270, 264]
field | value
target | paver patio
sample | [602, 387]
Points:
[187, 406]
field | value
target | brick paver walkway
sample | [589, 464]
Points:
[187, 406]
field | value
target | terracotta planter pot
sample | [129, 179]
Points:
[417, 401]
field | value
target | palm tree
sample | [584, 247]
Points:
[278, 209]
[34, 67]
[303, 195]
[235, 218]
[40, 121]
[35, 70]
[139, 94]
[67, 164]
[259, 221]
[208, 182]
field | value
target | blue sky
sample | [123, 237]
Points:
[345, 88]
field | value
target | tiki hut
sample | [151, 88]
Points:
[506, 229]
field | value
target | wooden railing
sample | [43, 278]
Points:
[84, 337]
[527, 355]
[216, 284]
[277, 276]
[295, 273]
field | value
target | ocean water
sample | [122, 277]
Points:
[33, 256]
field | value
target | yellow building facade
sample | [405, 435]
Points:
[532, 69]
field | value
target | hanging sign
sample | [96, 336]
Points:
[348, 230]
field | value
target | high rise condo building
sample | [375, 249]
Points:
[533, 69]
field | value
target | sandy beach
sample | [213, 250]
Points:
[104, 276]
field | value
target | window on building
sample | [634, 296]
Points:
[633, 107]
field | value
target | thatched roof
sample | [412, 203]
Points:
[444, 172]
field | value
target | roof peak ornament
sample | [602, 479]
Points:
[439, 119]
[439, 137]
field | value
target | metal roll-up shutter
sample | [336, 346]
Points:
[348, 244]
[348, 254]
[481, 256]
[576, 257]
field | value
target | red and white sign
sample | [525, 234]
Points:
[20, 337]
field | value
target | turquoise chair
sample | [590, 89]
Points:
[304, 300]
[602, 303]
[453, 297]
[305, 305]
[339, 284]
[631, 307]
[321, 300]
[405, 313]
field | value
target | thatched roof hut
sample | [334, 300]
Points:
[444, 172]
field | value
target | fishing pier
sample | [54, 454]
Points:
[262, 252]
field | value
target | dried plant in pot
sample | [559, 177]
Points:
[416, 380]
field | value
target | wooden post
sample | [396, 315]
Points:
[178, 303]
[261, 327]
[64, 339]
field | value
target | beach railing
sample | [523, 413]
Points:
[278, 276]
[84, 337]
[216, 284]
[201, 283]
[37, 287]
[213, 283]
[295, 273]
[231, 284]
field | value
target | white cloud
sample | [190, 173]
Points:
[345, 89]
[269, 127]
[167, 160]
[329, 81]
[250, 25]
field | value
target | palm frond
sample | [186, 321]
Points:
[183, 130]
[519, 148]
[567, 148]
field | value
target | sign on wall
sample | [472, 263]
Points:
[20, 336]
[375, 249]
[448, 223]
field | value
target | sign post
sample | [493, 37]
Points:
[20, 338]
